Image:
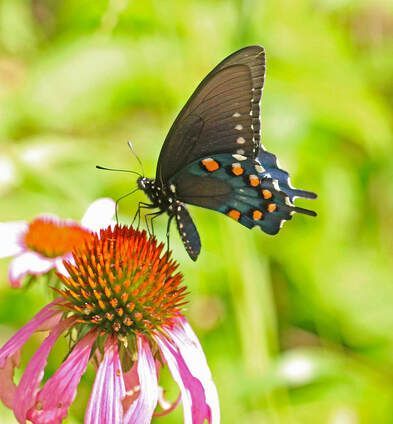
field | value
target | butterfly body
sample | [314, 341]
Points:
[164, 199]
[158, 195]
[212, 156]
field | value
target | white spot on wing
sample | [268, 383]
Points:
[240, 151]
[275, 185]
[239, 157]
[239, 127]
[236, 115]
[240, 140]
[259, 168]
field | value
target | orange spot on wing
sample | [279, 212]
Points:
[234, 214]
[267, 194]
[237, 169]
[210, 164]
[271, 207]
[254, 180]
[257, 215]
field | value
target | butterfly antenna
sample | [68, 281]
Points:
[118, 170]
[136, 156]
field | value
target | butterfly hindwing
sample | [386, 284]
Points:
[271, 169]
[237, 187]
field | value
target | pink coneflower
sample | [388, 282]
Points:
[122, 300]
[43, 244]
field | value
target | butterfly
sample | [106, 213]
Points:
[212, 156]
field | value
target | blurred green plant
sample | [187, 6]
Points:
[297, 328]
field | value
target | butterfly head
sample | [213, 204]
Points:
[143, 183]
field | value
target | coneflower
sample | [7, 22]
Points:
[42, 244]
[122, 299]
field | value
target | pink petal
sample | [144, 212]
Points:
[189, 368]
[59, 391]
[191, 350]
[7, 386]
[99, 214]
[28, 263]
[141, 411]
[105, 405]
[26, 392]
[11, 236]
[46, 319]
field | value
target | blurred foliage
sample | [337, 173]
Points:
[296, 328]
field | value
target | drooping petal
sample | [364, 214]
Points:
[7, 386]
[191, 350]
[11, 236]
[46, 319]
[141, 411]
[59, 391]
[26, 391]
[194, 405]
[28, 263]
[99, 214]
[189, 368]
[105, 405]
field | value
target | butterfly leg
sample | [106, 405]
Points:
[168, 229]
[141, 205]
[152, 217]
[149, 221]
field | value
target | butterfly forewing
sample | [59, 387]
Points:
[225, 108]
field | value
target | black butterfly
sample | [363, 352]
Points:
[212, 156]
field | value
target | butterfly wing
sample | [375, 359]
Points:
[222, 116]
[270, 169]
[212, 156]
[239, 188]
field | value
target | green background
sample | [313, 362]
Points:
[297, 328]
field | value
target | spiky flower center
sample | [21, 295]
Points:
[122, 282]
[52, 238]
